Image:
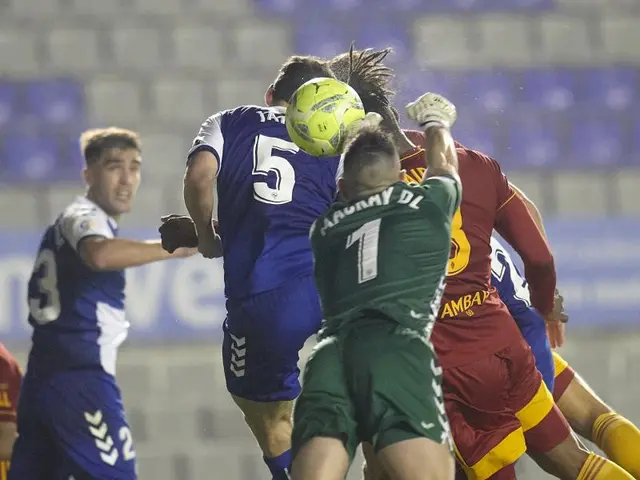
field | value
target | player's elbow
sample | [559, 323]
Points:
[201, 168]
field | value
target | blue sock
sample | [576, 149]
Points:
[279, 466]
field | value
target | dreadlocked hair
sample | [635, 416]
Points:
[365, 71]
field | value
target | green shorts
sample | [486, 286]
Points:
[376, 383]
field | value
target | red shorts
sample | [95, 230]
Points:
[564, 375]
[498, 406]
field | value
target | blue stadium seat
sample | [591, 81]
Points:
[57, 102]
[327, 5]
[476, 136]
[488, 90]
[9, 102]
[28, 157]
[613, 88]
[321, 38]
[548, 89]
[413, 82]
[596, 142]
[71, 161]
[386, 34]
[278, 7]
[518, 5]
[531, 142]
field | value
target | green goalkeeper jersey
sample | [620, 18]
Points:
[386, 255]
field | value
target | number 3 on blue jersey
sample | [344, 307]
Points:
[265, 160]
[46, 308]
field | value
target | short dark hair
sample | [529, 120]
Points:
[366, 73]
[296, 71]
[94, 142]
[368, 147]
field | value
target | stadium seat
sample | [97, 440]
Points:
[488, 90]
[387, 33]
[279, 7]
[548, 89]
[71, 161]
[476, 136]
[519, 5]
[321, 38]
[596, 142]
[29, 157]
[531, 142]
[74, 50]
[413, 82]
[57, 102]
[611, 87]
[9, 102]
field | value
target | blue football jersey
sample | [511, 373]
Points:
[505, 277]
[269, 194]
[77, 314]
[514, 292]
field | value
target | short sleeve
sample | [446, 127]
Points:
[79, 223]
[210, 138]
[445, 192]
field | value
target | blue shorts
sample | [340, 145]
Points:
[72, 425]
[262, 337]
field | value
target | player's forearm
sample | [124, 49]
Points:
[440, 152]
[532, 208]
[120, 253]
[199, 180]
[518, 228]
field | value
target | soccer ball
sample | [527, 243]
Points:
[319, 113]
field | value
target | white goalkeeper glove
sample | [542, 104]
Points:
[432, 109]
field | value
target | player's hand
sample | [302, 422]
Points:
[184, 252]
[210, 243]
[177, 231]
[432, 108]
[555, 332]
[556, 322]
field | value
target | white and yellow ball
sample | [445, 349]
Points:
[319, 114]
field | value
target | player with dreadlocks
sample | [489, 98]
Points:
[475, 336]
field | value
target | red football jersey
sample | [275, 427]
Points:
[10, 382]
[472, 319]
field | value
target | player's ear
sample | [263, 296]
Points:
[86, 173]
[268, 96]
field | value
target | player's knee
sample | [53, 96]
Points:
[567, 458]
[581, 407]
[372, 469]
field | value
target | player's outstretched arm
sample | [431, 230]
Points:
[516, 225]
[435, 114]
[555, 328]
[91, 236]
[100, 253]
